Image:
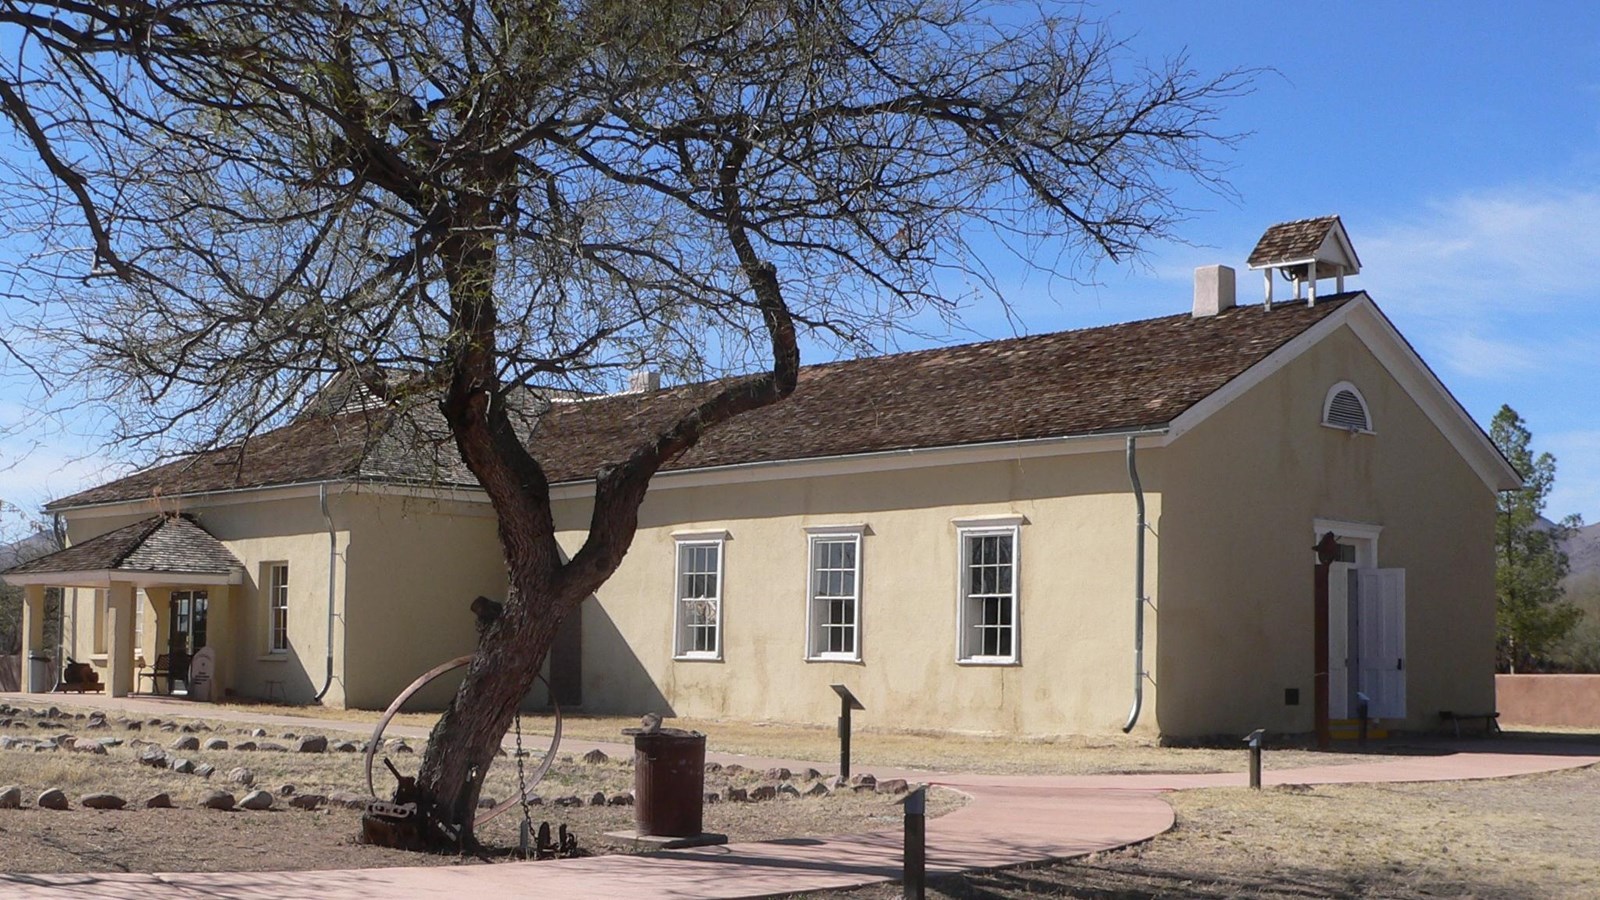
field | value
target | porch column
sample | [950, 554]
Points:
[220, 636]
[158, 627]
[33, 634]
[119, 639]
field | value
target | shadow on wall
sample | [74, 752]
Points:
[615, 682]
[287, 681]
[590, 670]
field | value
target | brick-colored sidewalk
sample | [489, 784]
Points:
[1011, 820]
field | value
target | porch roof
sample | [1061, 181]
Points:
[160, 549]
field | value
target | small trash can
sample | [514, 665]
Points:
[40, 669]
[669, 779]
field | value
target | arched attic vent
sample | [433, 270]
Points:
[1305, 251]
[1345, 408]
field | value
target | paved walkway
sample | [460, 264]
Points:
[1010, 820]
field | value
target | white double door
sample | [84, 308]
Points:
[1366, 641]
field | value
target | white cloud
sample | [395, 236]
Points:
[1469, 352]
[33, 474]
[1472, 354]
[1487, 252]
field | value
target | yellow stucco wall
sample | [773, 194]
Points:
[1241, 493]
[1231, 505]
[258, 533]
[1076, 607]
[414, 567]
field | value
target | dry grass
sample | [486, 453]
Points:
[140, 840]
[938, 751]
[1536, 836]
[1064, 755]
[1513, 838]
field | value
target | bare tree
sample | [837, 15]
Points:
[24, 536]
[235, 201]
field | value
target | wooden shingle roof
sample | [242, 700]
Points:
[162, 543]
[1291, 241]
[1114, 378]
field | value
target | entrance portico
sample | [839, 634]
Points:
[180, 575]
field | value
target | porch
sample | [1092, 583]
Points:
[161, 587]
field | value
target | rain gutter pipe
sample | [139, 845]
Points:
[1138, 590]
[333, 557]
[58, 530]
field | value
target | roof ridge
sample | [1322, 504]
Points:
[154, 524]
[986, 342]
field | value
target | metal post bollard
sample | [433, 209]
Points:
[847, 702]
[915, 869]
[1362, 699]
[844, 742]
[1254, 740]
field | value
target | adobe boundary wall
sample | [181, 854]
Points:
[1571, 701]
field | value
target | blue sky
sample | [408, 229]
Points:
[1460, 142]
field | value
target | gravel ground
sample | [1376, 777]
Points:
[186, 838]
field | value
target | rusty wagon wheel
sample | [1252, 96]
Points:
[423, 681]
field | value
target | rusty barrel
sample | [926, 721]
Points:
[669, 779]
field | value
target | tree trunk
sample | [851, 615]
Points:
[464, 742]
[543, 589]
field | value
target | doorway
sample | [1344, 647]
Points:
[1366, 626]
[187, 614]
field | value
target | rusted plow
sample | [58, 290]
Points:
[402, 822]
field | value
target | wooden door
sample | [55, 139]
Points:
[1381, 654]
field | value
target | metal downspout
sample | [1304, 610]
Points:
[58, 530]
[333, 556]
[1138, 592]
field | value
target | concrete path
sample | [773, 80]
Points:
[1010, 820]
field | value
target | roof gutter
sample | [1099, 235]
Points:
[908, 453]
[221, 492]
[572, 486]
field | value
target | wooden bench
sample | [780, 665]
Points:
[162, 669]
[1491, 723]
[81, 678]
[80, 687]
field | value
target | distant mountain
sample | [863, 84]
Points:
[1583, 578]
[25, 549]
[1583, 553]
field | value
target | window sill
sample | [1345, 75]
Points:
[1348, 430]
[273, 657]
[838, 658]
[698, 657]
[99, 659]
[989, 661]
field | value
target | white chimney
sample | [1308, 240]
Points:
[1213, 290]
[644, 382]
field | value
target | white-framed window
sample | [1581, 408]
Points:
[698, 596]
[987, 610]
[1344, 408]
[278, 608]
[833, 593]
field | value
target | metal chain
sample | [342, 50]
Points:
[522, 778]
